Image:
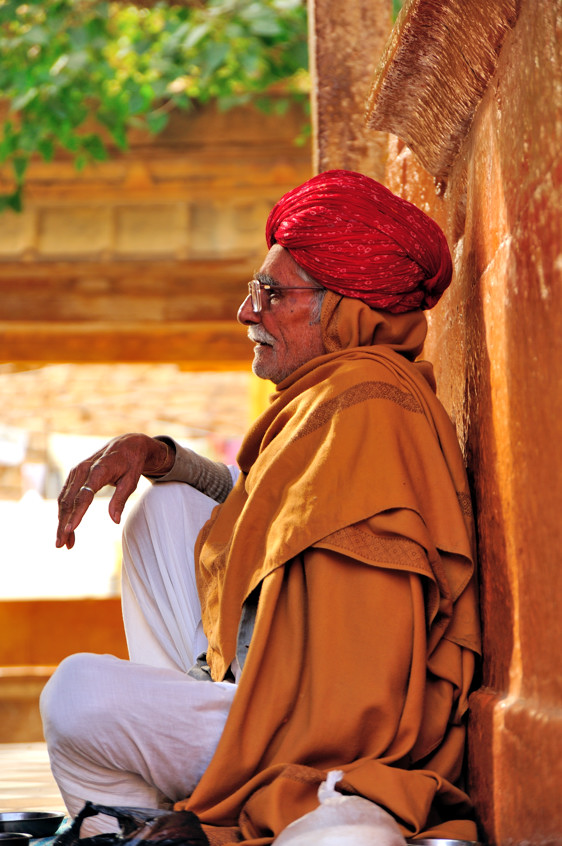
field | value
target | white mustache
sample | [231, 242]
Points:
[259, 335]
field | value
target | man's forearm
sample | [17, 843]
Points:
[210, 477]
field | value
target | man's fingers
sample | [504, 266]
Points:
[71, 513]
[78, 477]
[82, 502]
[66, 504]
[119, 463]
[123, 491]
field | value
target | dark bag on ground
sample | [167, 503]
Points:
[138, 826]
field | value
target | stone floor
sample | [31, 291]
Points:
[26, 783]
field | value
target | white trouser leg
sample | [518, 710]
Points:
[128, 734]
[124, 733]
[161, 607]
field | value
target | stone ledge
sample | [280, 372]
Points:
[510, 735]
[20, 689]
[205, 345]
[41, 632]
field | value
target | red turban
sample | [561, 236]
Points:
[357, 238]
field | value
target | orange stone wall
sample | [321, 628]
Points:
[496, 341]
[145, 257]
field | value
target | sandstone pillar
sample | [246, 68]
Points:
[346, 41]
[490, 173]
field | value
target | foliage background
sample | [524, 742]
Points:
[78, 74]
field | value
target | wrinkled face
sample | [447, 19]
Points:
[286, 331]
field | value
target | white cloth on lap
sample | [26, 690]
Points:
[161, 609]
[141, 733]
[128, 734]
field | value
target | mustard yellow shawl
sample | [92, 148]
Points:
[352, 514]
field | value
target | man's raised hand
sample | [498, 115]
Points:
[121, 463]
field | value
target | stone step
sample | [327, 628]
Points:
[20, 689]
[37, 635]
[41, 632]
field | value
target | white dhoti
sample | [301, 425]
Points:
[141, 732]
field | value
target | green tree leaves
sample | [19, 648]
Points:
[396, 8]
[64, 62]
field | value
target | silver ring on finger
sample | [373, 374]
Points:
[86, 488]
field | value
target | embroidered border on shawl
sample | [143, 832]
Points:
[397, 551]
[465, 503]
[354, 395]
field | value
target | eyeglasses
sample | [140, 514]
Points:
[255, 287]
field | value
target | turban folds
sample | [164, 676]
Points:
[357, 238]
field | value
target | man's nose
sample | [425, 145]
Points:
[246, 314]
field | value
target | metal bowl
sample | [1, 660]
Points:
[437, 841]
[35, 823]
[14, 838]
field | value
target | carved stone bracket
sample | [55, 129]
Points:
[438, 61]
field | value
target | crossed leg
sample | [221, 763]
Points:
[141, 732]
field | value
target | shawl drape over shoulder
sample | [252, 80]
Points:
[352, 516]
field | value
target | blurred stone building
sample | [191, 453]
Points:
[119, 283]
[119, 288]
